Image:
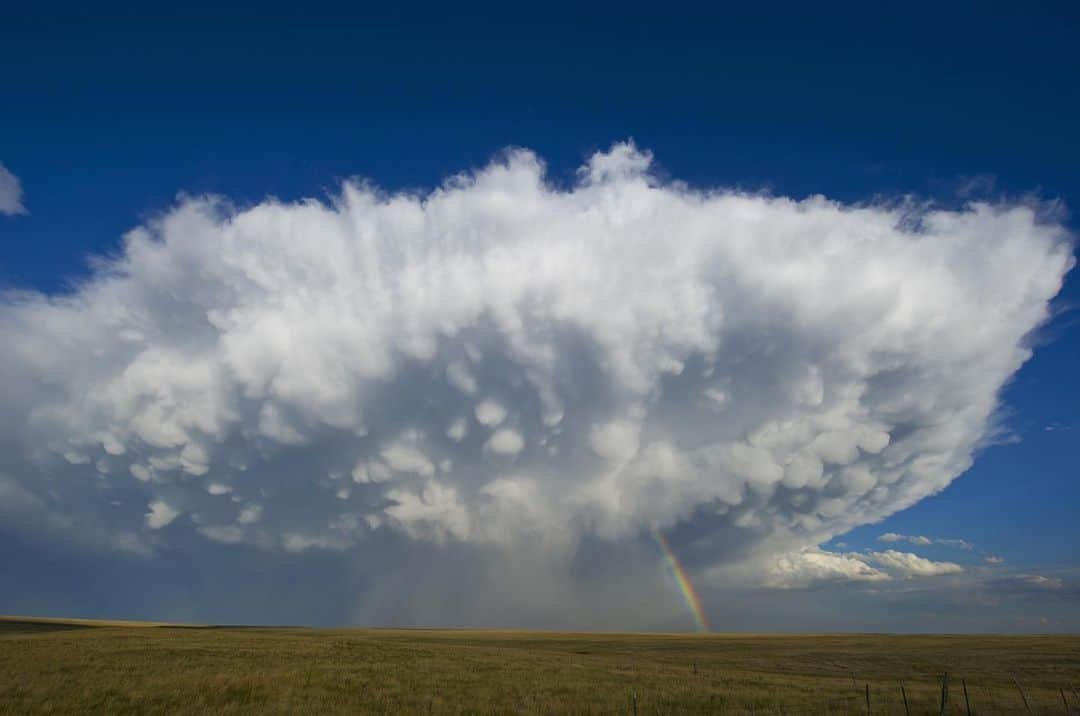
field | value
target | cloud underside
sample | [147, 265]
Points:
[502, 362]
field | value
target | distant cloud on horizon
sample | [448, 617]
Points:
[906, 564]
[925, 541]
[816, 566]
[1035, 584]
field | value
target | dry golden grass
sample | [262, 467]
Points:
[57, 666]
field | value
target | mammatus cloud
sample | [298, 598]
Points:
[503, 368]
[160, 515]
[10, 193]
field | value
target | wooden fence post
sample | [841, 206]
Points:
[944, 693]
[967, 703]
[903, 692]
[1022, 695]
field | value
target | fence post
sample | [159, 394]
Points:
[1022, 695]
[944, 692]
[868, 700]
[903, 692]
[967, 703]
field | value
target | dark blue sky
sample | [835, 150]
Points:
[107, 112]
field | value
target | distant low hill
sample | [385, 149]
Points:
[10, 623]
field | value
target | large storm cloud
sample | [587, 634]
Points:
[504, 371]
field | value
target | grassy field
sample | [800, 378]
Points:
[121, 667]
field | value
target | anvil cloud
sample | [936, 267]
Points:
[503, 364]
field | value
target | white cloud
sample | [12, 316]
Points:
[925, 541]
[505, 442]
[490, 413]
[786, 375]
[11, 193]
[405, 456]
[814, 566]
[434, 512]
[461, 377]
[1033, 586]
[906, 564]
[993, 559]
[1039, 582]
[458, 430]
[160, 515]
[617, 440]
[249, 515]
[226, 534]
[958, 543]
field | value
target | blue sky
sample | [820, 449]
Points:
[108, 116]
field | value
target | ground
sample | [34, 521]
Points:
[123, 667]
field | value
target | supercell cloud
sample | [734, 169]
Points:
[505, 369]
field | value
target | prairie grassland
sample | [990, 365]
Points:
[58, 667]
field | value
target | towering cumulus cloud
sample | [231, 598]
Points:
[503, 370]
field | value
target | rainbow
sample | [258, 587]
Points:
[686, 587]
